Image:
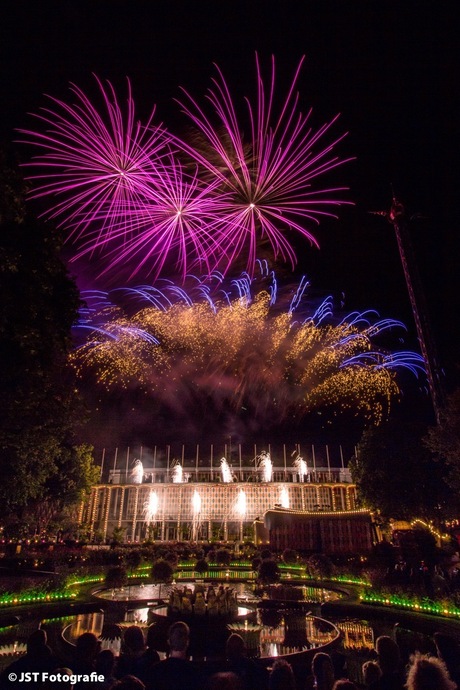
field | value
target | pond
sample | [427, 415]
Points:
[267, 632]
[270, 629]
[244, 591]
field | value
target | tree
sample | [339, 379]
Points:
[116, 577]
[320, 566]
[444, 440]
[201, 566]
[133, 559]
[41, 466]
[269, 572]
[70, 483]
[118, 536]
[395, 474]
[290, 556]
[223, 557]
[162, 572]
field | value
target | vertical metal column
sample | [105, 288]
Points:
[397, 216]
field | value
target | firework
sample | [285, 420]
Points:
[141, 198]
[245, 352]
[269, 176]
[99, 163]
[240, 508]
[177, 220]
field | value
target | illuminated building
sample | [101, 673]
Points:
[213, 502]
[339, 531]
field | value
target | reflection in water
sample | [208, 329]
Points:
[272, 631]
[163, 611]
[83, 623]
[109, 635]
[141, 592]
[138, 617]
[291, 633]
[356, 635]
[278, 633]
[244, 591]
[296, 632]
[11, 652]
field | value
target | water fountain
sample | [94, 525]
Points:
[301, 467]
[264, 462]
[241, 509]
[151, 508]
[137, 472]
[284, 497]
[270, 628]
[226, 472]
[177, 473]
[196, 510]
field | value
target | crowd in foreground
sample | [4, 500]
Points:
[139, 667]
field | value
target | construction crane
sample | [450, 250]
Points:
[398, 218]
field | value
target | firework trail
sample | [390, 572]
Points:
[177, 222]
[144, 200]
[221, 350]
[270, 175]
[100, 163]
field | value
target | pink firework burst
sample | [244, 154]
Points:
[177, 221]
[123, 192]
[98, 163]
[269, 178]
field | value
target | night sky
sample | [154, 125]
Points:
[390, 69]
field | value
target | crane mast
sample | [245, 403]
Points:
[397, 217]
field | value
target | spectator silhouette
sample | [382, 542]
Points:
[149, 658]
[323, 671]
[128, 683]
[448, 651]
[281, 676]
[133, 648]
[371, 674]
[176, 672]
[428, 673]
[86, 650]
[38, 658]
[105, 666]
[389, 661]
[251, 675]
[224, 681]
